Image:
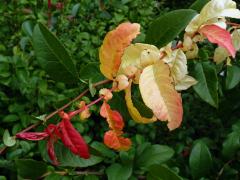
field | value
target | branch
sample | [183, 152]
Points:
[60, 109]
[222, 169]
[63, 173]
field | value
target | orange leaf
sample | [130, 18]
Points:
[113, 47]
[114, 118]
[218, 35]
[114, 140]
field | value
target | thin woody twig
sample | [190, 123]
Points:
[58, 110]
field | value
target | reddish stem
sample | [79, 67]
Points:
[60, 109]
[179, 45]
[49, 12]
[73, 113]
[232, 24]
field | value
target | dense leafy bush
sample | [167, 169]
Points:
[206, 145]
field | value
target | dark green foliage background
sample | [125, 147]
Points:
[27, 91]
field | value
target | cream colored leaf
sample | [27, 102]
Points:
[185, 83]
[133, 111]
[213, 9]
[178, 64]
[159, 94]
[138, 55]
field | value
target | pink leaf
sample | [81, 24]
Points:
[218, 35]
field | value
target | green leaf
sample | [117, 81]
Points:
[3, 178]
[52, 56]
[103, 150]
[91, 177]
[155, 154]
[200, 160]
[27, 27]
[232, 143]
[75, 10]
[233, 77]
[160, 172]
[53, 176]
[207, 86]
[198, 5]
[10, 118]
[91, 71]
[7, 139]
[119, 172]
[30, 169]
[92, 89]
[67, 158]
[168, 26]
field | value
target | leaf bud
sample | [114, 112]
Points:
[106, 93]
[122, 82]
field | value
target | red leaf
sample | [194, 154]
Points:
[32, 136]
[114, 140]
[218, 35]
[114, 118]
[50, 149]
[53, 137]
[71, 138]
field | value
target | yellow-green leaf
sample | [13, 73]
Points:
[139, 55]
[220, 55]
[133, 111]
[236, 39]
[113, 47]
[158, 93]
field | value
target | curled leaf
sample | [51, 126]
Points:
[138, 55]
[192, 53]
[113, 138]
[114, 118]
[32, 136]
[72, 139]
[115, 141]
[158, 93]
[133, 111]
[214, 10]
[220, 36]
[113, 47]
[50, 148]
[178, 64]
[85, 113]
